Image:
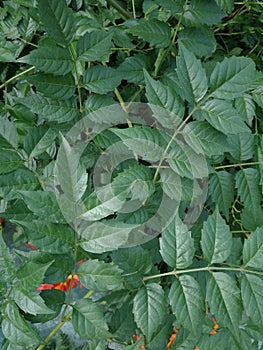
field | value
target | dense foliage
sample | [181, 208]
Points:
[131, 174]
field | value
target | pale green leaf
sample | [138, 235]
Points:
[88, 320]
[187, 302]
[253, 249]
[100, 276]
[50, 59]
[241, 146]
[149, 308]
[157, 33]
[58, 20]
[171, 184]
[10, 160]
[216, 240]
[221, 189]
[177, 245]
[38, 140]
[16, 330]
[223, 296]
[94, 46]
[252, 297]
[232, 77]
[30, 303]
[191, 75]
[54, 86]
[202, 12]
[100, 79]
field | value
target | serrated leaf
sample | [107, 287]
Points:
[177, 245]
[22, 179]
[149, 308]
[132, 68]
[157, 33]
[31, 303]
[187, 302]
[191, 75]
[241, 146]
[100, 276]
[246, 107]
[121, 322]
[58, 20]
[167, 107]
[253, 249]
[222, 190]
[202, 12]
[50, 59]
[7, 264]
[94, 46]
[10, 160]
[252, 297]
[101, 79]
[88, 320]
[52, 238]
[223, 297]
[60, 111]
[16, 330]
[200, 41]
[223, 117]
[54, 86]
[216, 240]
[38, 140]
[232, 77]
[8, 132]
[171, 184]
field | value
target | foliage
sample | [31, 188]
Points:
[131, 168]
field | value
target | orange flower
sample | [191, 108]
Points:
[213, 331]
[31, 246]
[64, 286]
[172, 337]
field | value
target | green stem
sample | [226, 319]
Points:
[120, 9]
[236, 165]
[17, 76]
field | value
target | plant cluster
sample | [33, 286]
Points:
[131, 168]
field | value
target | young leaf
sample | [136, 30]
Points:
[149, 308]
[232, 77]
[177, 245]
[100, 276]
[223, 297]
[216, 240]
[10, 160]
[101, 79]
[58, 20]
[191, 75]
[94, 46]
[222, 190]
[252, 297]
[16, 330]
[187, 302]
[253, 249]
[88, 320]
[157, 33]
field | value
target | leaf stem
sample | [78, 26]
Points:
[17, 76]
[120, 9]
[236, 165]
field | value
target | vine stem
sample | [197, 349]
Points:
[198, 269]
[236, 165]
[61, 323]
[17, 76]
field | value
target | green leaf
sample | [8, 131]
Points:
[50, 59]
[100, 276]
[157, 33]
[191, 75]
[177, 245]
[22, 179]
[253, 249]
[222, 190]
[226, 5]
[38, 140]
[223, 117]
[252, 297]
[16, 330]
[223, 297]
[31, 275]
[94, 46]
[7, 264]
[187, 302]
[202, 12]
[52, 238]
[216, 240]
[58, 20]
[8, 132]
[31, 303]
[149, 309]
[171, 184]
[246, 107]
[88, 320]
[241, 146]
[232, 77]
[200, 41]
[132, 68]
[10, 160]
[101, 79]
[54, 86]
[60, 111]
[167, 107]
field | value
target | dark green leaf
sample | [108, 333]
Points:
[253, 249]
[8, 132]
[202, 12]
[30, 302]
[7, 265]
[39, 140]
[101, 79]
[132, 68]
[31, 275]
[241, 146]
